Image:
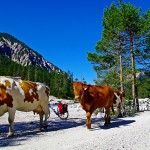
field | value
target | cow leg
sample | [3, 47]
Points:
[107, 119]
[11, 117]
[41, 121]
[88, 121]
[47, 114]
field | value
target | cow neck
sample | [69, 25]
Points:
[85, 95]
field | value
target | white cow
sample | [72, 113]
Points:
[17, 94]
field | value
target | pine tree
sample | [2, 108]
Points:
[136, 29]
[125, 32]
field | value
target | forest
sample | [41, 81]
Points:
[60, 84]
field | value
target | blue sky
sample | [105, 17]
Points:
[62, 31]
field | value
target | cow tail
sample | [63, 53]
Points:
[49, 109]
[48, 93]
[48, 114]
[112, 108]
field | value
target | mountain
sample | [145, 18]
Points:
[142, 74]
[19, 52]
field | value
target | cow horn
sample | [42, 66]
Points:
[85, 89]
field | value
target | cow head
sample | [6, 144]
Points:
[118, 95]
[79, 88]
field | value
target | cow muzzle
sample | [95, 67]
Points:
[77, 97]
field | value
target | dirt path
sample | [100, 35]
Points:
[130, 133]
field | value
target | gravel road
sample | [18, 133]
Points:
[128, 133]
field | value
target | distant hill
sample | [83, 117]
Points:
[142, 74]
[19, 52]
[19, 60]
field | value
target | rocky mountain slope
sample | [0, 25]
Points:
[22, 54]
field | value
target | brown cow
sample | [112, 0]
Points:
[92, 97]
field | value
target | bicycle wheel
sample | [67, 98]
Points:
[64, 115]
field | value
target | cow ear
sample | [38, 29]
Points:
[123, 94]
[85, 87]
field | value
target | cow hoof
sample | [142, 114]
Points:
[38, 129]
[10, 134]
[88, 126]
[105, 124]
[45, 127]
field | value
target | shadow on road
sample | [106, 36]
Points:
[25, 130]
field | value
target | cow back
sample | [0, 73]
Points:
[99, 96]
[30, 90]
[22, 95]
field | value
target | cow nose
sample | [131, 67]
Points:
[77, 97]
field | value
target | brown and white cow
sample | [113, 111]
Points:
[92, 97]
[119, 102]
[24, 96]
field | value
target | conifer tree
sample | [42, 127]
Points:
[137, 29]
[125, 34]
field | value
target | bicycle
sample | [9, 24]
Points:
[61, 111]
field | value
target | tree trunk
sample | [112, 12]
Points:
[134, 88]
[122, 107]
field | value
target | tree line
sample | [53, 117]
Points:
[60, 84]
[123, 50]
